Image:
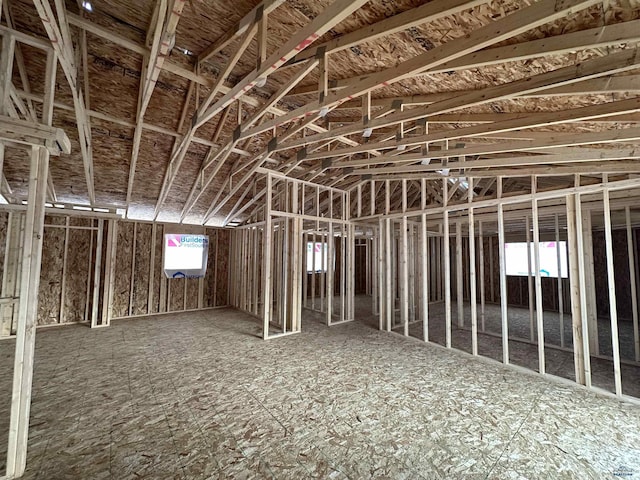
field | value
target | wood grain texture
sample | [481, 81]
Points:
[51, 276]
[122, 281]
[76, 275]
[143, 261]
[222, 268]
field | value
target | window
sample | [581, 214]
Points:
[516, 259]
[316, 262]
[185, 256]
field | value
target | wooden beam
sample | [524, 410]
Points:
[161, 35]
[58, 32]
[27, 315]
[27, 133]
[204, 178]
[589, 155]
[593, 68]
[332, 15]
[613, 307]
[608, 84]
[263, 8]
[630, 135]
[521, 21]
[339, 10]
[599, 37]
[411, 18]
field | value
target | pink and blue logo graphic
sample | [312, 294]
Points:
[173, 240]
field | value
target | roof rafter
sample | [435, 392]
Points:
[59, 34]
[518, 22]
[161, 36]
[600, 37]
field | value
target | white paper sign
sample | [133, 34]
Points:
[185, 256]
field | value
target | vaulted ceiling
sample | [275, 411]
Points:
[177, 102]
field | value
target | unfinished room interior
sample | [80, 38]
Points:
[333, 239]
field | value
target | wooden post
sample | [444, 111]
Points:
[424, 254]
[63, 285]
[255, 234]
[577, 314]
[459, 281]
[560, 299]
[592, 314]
[632, 280]
[266, 266]
[352, 266]
[285, 259]
[503, 279]
[404, 281]
[27, 314]
[305, 277]
[482, 286]
[530, 280]
[152, 269]
[637, 276]
[97, 274]
[313, 272]
[90, 262]
[10, 277]
[200, 282]
[295, 263]
[375, 281]
[411, 264]
[492, 293]
[582, 284]
[110, 271]
[613, 308]
[472, 283]
[343, 265]
[330, 273]
[538, 285]
[132, 281]
[503, 287]
[382, 294]
[388, 266]
[447, 265]
[323, 273]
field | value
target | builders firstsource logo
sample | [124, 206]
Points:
[186, 241]
[173, 240]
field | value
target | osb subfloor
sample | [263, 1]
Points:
[558, 362]
[200, 396]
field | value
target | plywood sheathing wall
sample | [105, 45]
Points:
[122, 281]
[143, 249]
[75, 275]
[51, 273]
[222, 266]
[78, 272]
[168, 295]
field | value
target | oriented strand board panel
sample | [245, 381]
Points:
[192, 293]
[222, 268]
[50, 292]
[210, 278]
[81, 222]
[143, 262]
[76, 275]
[176, 294]
[158, 274]
[55, 219]
[621, 269]
[122, 281]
